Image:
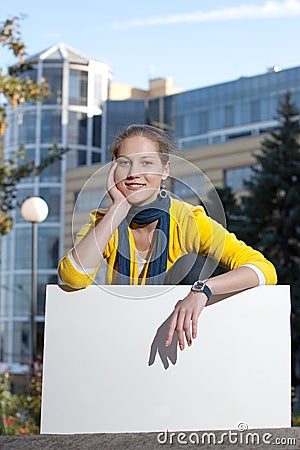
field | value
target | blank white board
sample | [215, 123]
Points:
[106, 368]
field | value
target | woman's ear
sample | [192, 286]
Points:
[166, 170]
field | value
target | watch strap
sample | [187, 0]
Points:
[200, 286]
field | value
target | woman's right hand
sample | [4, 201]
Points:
[116, 195]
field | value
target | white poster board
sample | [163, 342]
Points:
[106, 368]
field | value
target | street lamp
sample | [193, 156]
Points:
[34, 210]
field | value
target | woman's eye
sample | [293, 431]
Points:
[147, 163]
[123, 162]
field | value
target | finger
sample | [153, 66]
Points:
[171, 328]
[179, 328]
[187, 329]
[110, 176]
[195, 318]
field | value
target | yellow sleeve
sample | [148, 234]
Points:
[214, 240]
[67, 272]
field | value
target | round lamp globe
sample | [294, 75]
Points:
[34, 209]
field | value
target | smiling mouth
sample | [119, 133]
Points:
[134, 185]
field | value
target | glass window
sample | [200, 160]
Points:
[21, 342]
[97, 123]
[40, 338]
[235, 178]
[238, 135]
[203, 121]
[51, 126]
[78, 87]
[153, 111]
[89, 199]
[52, 198]
[120, 114]
[76, 158]
[228, 116]
[72, 159]
[255, 115]
[195, 123]
[4, 341]
[77, 129]
[27, 126]
[6, 251]
[48, 239]
[51, 173]
[23, 247]
[22, 295]
[42, 281]
[10, 129]
[81, 158]
[189, 186]
[5, 291]
[216, 139]
[54, 79]
[96, 157]
[169, 108]
[190, 125]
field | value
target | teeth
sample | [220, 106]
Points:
[135, 185]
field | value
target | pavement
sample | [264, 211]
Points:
[281, 438]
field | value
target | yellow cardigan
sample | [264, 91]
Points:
[191, 231]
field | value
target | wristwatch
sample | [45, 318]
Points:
[200, 286]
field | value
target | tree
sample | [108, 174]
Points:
[272, 205]
[16, 89]
[272, 208]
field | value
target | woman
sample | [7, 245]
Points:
[144, 232]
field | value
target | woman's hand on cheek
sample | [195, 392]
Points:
[115, 194]
[185, 319]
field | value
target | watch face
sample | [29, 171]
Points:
[198, 286]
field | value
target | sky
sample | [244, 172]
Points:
[196, 43]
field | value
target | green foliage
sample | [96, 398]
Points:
[14, 91]
[20, 413]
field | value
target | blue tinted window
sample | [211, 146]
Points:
[78, 87]
[53, 77]
[51, 126]
[48, 238]
[97, 124]
[23, 248]
[4, 335]
[52, 172]
[22, 294]
[21, 342]
[51, 196]
[77, 128]
[27, 126]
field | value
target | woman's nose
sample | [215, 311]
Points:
[133, 171]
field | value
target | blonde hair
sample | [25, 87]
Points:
[163, 143]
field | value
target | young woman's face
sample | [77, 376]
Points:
[140, 170]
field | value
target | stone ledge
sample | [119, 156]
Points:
[111, 441]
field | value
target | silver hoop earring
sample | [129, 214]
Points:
[163, 193]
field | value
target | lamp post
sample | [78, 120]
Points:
[34, 210]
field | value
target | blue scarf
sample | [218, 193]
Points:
[156, 210]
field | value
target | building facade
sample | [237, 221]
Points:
[71, 118]
[216, 129]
